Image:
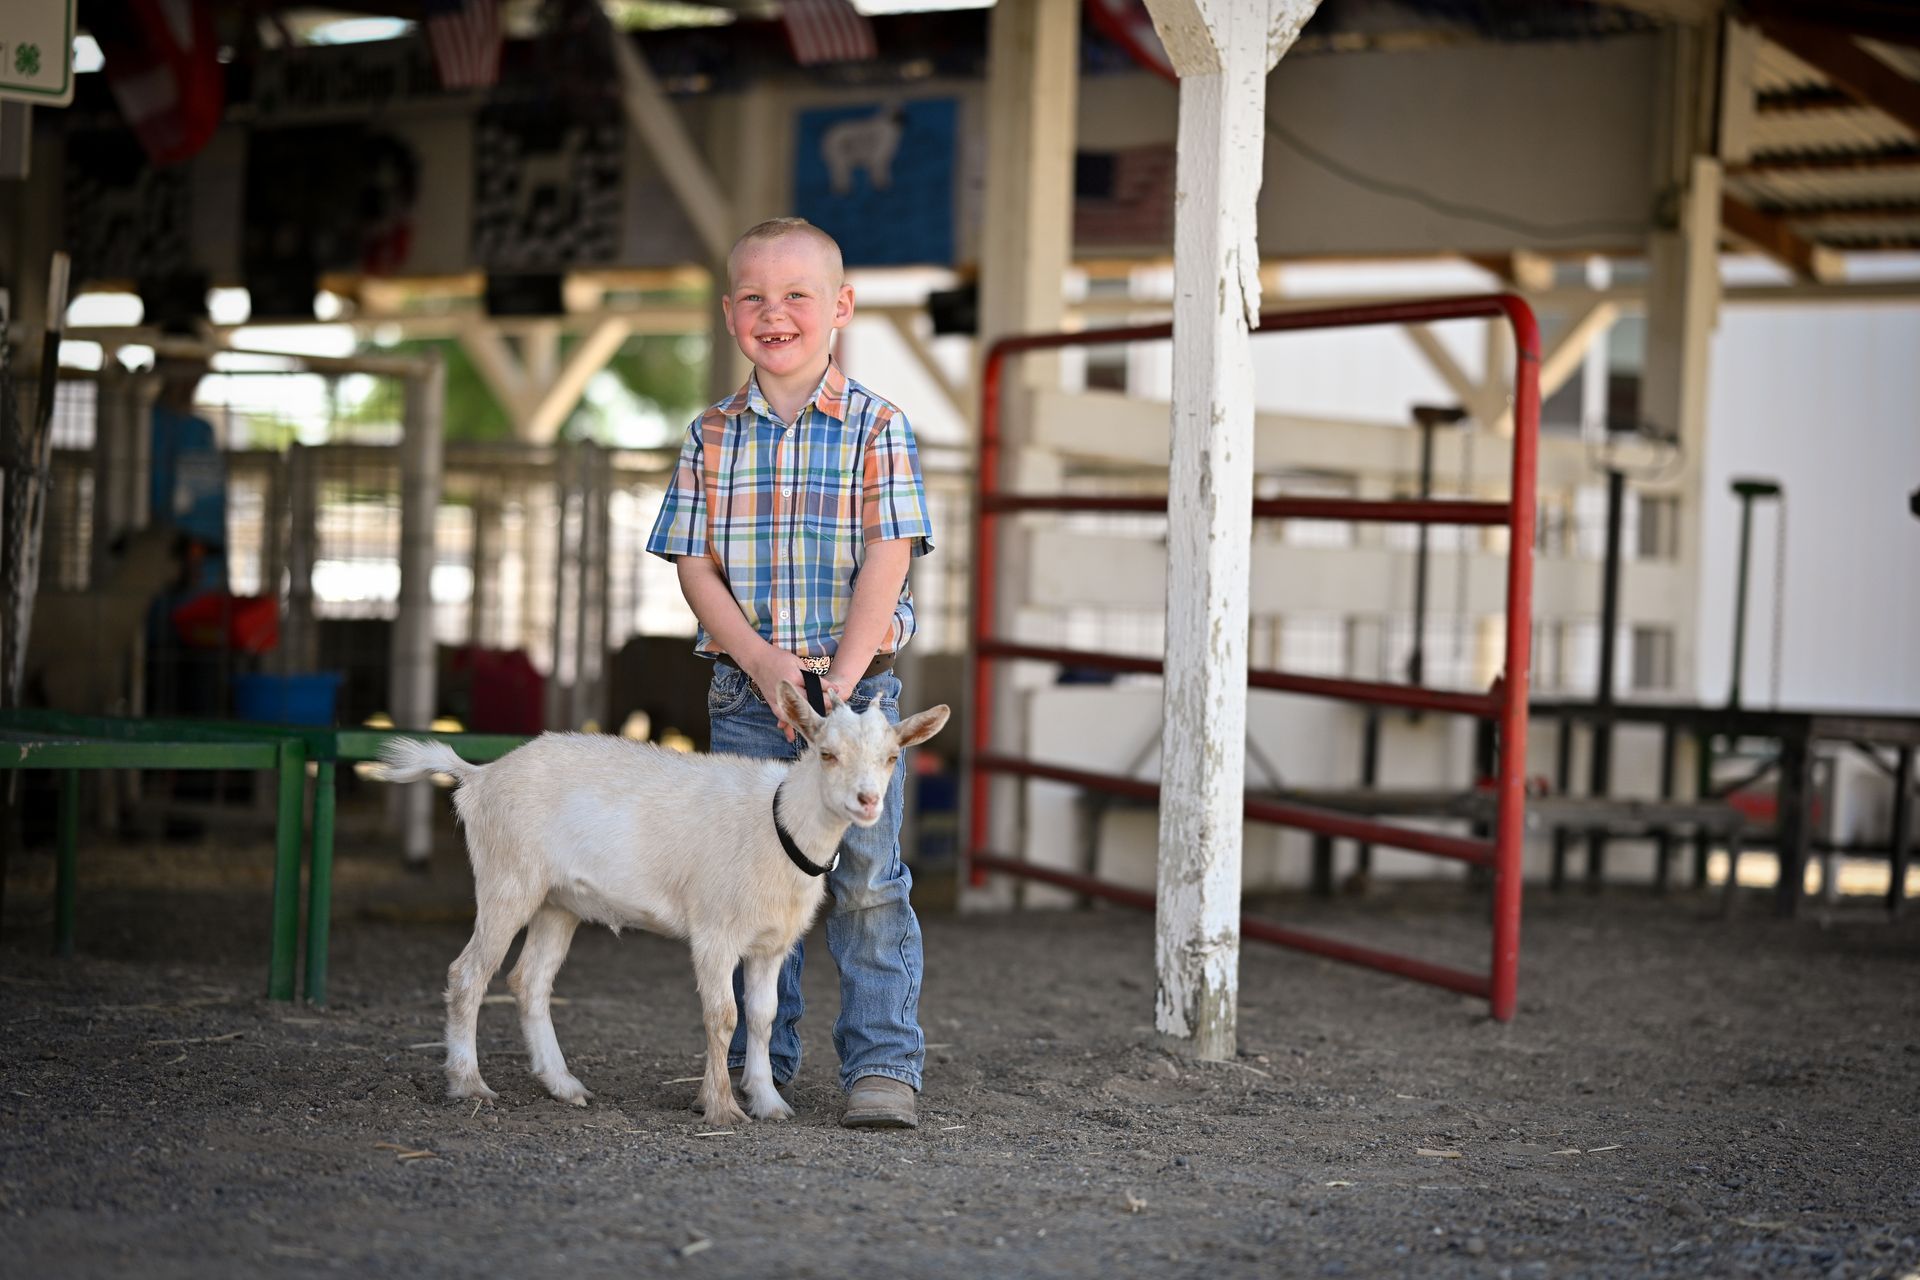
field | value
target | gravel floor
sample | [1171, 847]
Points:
[1679, 1096]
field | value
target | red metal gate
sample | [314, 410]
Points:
[1505, 703]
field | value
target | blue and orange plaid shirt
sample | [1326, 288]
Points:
[787, 511]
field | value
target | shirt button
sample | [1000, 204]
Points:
[783, 615]
[786, 493]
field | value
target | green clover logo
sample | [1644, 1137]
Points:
[26, 59]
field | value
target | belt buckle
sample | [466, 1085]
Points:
[819, 664]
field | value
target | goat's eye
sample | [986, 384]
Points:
[893, 760]
[827, 757]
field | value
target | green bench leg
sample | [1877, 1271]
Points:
[320, 886]
[66, 887]
[286, 870]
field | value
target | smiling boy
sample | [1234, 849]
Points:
[791, 519]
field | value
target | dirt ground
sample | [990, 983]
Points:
[1679, 1096]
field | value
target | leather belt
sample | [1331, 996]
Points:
[820, 664]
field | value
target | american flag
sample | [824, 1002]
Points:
[464, 36]
[827, 31]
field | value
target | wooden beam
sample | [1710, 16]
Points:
[1423, 337]
[1842, 60]
[1840, 215]
[1739, 56]
[654, 118]
[1522, 268]
[1893, 21]
[1223, 51]
[500, 369]
[1827, 162]
[1773, 237]
[558, 400]
[1570, 349]
[903, 324]
[540, 353]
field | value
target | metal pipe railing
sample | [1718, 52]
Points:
[1505, 704]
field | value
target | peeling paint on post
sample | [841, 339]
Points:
[1223, 50]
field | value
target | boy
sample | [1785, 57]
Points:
[791, 519]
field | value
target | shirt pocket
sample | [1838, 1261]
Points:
[830, 512]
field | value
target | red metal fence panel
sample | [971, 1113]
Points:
[1505, 703]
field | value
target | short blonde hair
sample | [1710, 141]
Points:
[782, 228]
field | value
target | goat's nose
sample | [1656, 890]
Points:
[868, 800]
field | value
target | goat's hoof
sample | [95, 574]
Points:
[775, 1110]
[724, 1116]
[460, 1090]
[570, 1090]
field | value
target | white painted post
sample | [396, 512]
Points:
[1683, 306]
[422, 447]
[1026, 245]
[1223, 50]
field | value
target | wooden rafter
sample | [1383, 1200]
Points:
[1826, 162]
[1867, 79]
[1522, 268]
[1772, 236]
[1894, 21]
[1840, 215]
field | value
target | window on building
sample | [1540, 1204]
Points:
[1107, 369]
[1561, 412]
[1652, 659]
[1658, 536]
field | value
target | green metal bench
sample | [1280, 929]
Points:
[60, 740]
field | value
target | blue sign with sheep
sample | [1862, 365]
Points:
[879, 178]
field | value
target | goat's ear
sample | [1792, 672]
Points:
[923, 726]
[795, 711]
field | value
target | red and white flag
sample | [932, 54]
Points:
[163, 65]
[464, 36]
[827, 31]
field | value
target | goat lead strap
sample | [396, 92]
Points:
[794, 855]
[816, 695]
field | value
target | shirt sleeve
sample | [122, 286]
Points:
[681, 527]
[894, 504]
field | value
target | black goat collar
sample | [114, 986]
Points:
[794, 855]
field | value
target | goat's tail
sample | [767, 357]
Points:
[411, 759]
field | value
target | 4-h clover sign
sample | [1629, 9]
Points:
[36, 51]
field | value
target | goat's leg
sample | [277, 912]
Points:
[713, 972]
[541, 956]
[760, 983]
[467, 980]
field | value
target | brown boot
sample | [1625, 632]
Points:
[880, 1102]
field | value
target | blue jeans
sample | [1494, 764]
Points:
[871, 929]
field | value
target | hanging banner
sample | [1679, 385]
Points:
[547, 188]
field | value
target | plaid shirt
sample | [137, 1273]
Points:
[787, 512]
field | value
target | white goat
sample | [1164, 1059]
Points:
[574, 827]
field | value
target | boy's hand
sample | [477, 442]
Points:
[773, 666]
[843, 685]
